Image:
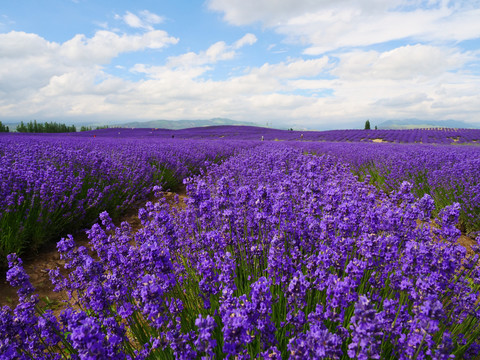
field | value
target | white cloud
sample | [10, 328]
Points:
[405, 100]
[408, 62]
[106, 45]
[151, 18]
[25, 63]
[247, 39]
[17, 44]
[132, 20]
[29, 64]
[144, 20]
[425, 79]
[219, 51]
[389, 86]
[323, 25]
[273, 13]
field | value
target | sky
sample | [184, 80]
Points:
[282, 63]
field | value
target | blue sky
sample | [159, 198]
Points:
[291, 63]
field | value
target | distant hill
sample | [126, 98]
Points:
[418, 124]
[183, 124]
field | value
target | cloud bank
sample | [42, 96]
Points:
[359, 59]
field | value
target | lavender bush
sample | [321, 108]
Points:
[448, 174]
[53, 184]
[278, 254]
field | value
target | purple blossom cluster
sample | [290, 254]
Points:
[53, 184]
[449, 174]
[277, 254]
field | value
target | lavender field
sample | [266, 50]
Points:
[316, 246]
[424, 136]
[56, 184]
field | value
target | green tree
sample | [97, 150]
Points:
[3, 128]
[367, 125]
[21, 127]
[53, 127]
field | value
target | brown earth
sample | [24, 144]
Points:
[37, 266]
[467, 242]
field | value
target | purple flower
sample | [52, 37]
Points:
[297, 289]
[271, 353]
[66, 245]
[106, 221]
[17, 277]
[205, 343]
[366, 331]
[49, 328]
[87, 338]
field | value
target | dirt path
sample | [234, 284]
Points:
[37, 266]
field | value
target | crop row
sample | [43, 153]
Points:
[51, 185]
[278, 254]
[425, 136]
[449, 174]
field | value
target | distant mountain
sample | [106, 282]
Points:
[417, 124]
[183, 124]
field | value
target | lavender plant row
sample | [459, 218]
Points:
[447, 173]
[277, 254]
[425, 136]
[53, 184]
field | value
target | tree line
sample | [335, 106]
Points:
[89, 128]
[52, 127]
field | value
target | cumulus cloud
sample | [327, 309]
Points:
[106, 45]
[352, 85]
[406, 62]
[201, 61]
[422, 77]
[32, 67]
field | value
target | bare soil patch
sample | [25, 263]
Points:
[37, 266]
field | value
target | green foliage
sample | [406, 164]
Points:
[52, 127]
[90, 128]
[167, 177]
[4, 128]
[367, 125]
